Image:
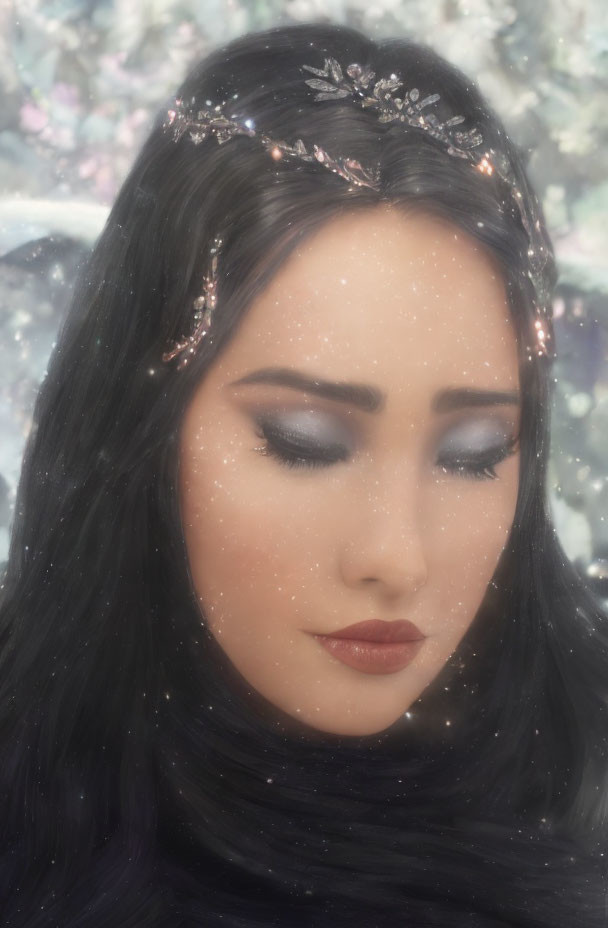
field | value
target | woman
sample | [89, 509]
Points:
[288, 400]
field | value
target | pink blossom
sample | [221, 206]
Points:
[32, 118]
[65, 94]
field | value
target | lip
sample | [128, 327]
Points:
[375, 646]
[371, 656]
[376, 630]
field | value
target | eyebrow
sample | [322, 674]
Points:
[370, 399]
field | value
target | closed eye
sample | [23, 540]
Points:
[296, 449]
[292, 449]
[480, 467]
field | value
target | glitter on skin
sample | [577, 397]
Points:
[384, 531]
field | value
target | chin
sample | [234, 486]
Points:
[348, 725]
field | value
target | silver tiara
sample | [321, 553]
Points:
[408, 109]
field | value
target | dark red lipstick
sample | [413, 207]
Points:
[375, 646]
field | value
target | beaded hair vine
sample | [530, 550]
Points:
[408, 110]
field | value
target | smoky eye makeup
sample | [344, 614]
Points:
[475, 436]
[304, 438]
[474, 448]
[311, 438]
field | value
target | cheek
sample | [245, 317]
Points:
[470, 526]
[251, 547]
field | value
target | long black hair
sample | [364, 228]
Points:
[142, 782]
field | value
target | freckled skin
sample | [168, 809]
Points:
[410, 305]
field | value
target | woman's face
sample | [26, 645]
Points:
[308, 508]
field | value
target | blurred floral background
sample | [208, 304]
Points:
[81, 80]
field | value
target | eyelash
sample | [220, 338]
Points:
[277, 447]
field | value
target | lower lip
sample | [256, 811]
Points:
[372, 656]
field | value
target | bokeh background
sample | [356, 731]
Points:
[81, 80]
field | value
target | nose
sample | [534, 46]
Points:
[385, 547]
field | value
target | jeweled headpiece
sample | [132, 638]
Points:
[408, 110]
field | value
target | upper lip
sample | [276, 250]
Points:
[378, 630]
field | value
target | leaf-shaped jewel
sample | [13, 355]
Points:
[414, 94]
[336, 70]
[366, 76]
[333, 96]
[454, 121]
[320, 85]
[317, 71]
[386, 84]
[469, 139]
[428, 100]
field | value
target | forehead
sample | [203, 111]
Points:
[399, 300]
